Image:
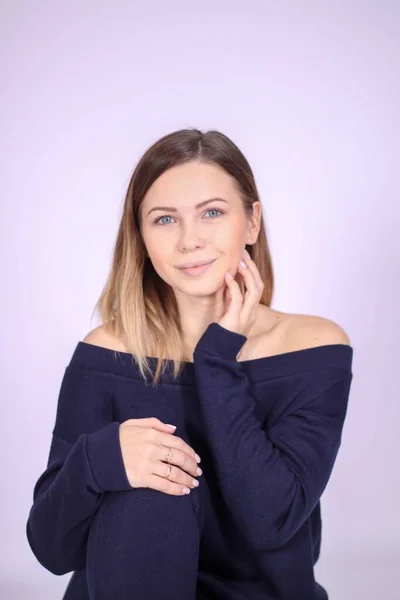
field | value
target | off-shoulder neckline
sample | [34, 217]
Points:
[314, 358]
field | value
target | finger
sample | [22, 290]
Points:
[248, 276]
[253, 293]
[252, 268]
[162, 484]
[250, 281]
[154, 423]
[227, 295]
[179, 458]
[171, 441]
[236, 295]
[251, 265]
[176, 474]
[240, 282]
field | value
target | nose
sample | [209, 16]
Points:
[190, 239]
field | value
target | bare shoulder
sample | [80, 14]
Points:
[312, 330]
[99, 336]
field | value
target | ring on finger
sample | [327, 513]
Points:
[169, 455]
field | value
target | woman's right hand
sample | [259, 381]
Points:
[144, 446]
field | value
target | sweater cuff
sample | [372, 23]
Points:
[105, 458]
[218, 340]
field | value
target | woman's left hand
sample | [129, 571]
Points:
[241, 312]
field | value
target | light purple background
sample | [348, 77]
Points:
[309, 90]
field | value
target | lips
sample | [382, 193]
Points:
[193, 265]
[199, 270]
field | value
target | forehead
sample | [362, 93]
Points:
[191, 182]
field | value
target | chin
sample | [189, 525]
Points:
[200, 287]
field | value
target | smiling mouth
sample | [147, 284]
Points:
[193, 265]
[197, 270]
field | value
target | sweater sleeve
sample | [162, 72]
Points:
[85, 460]
[271, 479]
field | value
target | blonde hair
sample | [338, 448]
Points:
[135, 301]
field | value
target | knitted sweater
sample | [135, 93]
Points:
[268, 431]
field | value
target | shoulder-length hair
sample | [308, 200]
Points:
[135, 301]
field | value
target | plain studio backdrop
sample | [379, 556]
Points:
[309, 90]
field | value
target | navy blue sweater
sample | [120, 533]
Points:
[268, 431]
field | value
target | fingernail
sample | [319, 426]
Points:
[247, 255]
[198, 459]
[172, 426]
[243, 264]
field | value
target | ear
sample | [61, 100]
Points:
[254, 224]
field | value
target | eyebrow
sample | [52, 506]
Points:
[172, 209]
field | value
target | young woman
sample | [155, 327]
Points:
[188, 337]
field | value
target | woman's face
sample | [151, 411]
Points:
[175, 231]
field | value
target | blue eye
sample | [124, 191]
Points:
[159, 219]
[214, 209]
[168, 216]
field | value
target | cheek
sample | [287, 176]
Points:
[159, 262]
[231, 237]
[156, 248]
